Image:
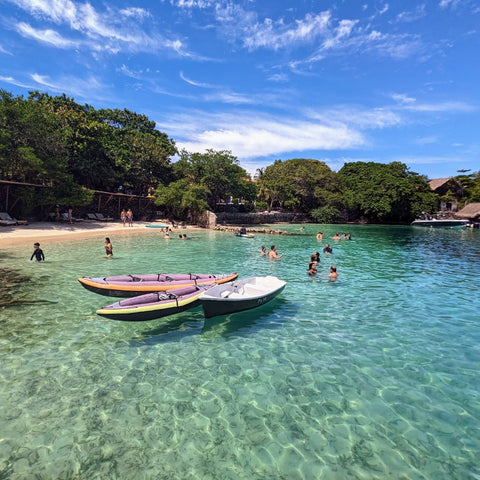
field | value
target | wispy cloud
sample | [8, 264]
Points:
[108, 31]
[17, 83]
[88, 88]
[412, 15]
[47, 36]
[6, 52]
[450, 107]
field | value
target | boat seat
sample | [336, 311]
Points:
[251, 290]
[236, 295]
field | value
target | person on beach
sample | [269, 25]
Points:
[333, 273]
[108, 247]
[273, 253]
[130, 217]
[264, 251]
[312, 268]
[70, 215]
[37, 252]
[123, 216]
[328, 249]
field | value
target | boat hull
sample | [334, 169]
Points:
[440, 223]
[154, 305]
[233, 297]
[134, 285]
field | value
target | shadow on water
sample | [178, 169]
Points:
[11, 285]
[171, 329]
[192, 322]
[268, 316]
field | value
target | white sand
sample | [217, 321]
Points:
[52, 231]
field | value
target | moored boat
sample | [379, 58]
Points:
[245, 235]
[154, 305]
[240, 295]
[140, 284]
[442, 223]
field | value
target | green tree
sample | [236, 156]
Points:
[219, 172]
[301, 184]
[384, 192]
[182, 199]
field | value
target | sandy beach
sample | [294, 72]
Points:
[19, 235]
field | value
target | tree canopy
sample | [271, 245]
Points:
[75, 149]
[384, 192]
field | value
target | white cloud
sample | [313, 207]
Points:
[276, 35]
[88, 88]
[441, 107]
[253, 135]
[402, 98]
[448, 3]
[427, 140]
[108, 31]
[47, 36]
[411, 16]
[135, 12]
[14, 81]
[6, 52]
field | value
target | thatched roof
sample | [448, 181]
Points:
[472, 210]
[438, 182]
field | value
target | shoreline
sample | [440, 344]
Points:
[21, 235]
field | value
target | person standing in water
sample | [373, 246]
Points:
[333, 273]
[37, 252]
[273, 253]
[108, 247]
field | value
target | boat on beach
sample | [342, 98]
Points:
[154, 305]
[240, 295]
[140, 284]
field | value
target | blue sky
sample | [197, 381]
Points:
[268, 79]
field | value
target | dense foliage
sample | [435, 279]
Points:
[74, 149]
[384, 192]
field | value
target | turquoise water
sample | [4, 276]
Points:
[373, 376]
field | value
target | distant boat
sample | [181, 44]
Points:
[240, 295]
[245, 235]
[140, 284]
[154, 305]
[156, 226]
[435, 223]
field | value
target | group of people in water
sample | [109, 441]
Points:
[314, 262]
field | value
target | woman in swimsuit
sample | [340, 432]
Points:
[108, 248]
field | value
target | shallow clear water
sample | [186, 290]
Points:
[373, 376]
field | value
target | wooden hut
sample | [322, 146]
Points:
[470, 212]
